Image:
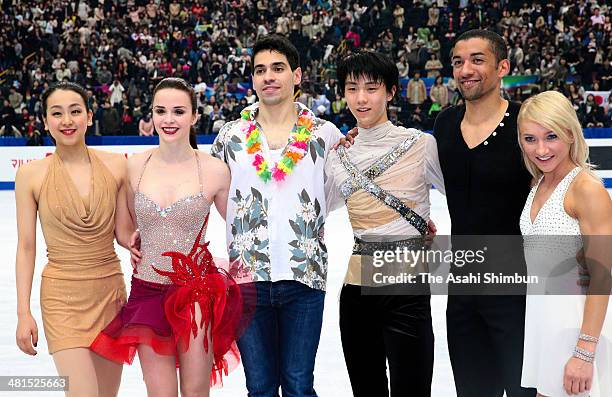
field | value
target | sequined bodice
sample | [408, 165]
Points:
[552, 218]
[173, 228]
[551, 242]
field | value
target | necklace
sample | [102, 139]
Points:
[296, 148]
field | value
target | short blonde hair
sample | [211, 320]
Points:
[554, 111]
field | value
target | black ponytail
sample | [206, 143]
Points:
[193, 141]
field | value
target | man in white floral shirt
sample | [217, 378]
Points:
[275, 216]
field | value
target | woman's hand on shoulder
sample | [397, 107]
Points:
[135, 254]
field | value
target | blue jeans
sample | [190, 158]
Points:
[279, 347]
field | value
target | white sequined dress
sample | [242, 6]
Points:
[555, 306]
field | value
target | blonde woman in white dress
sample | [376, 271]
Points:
[568, 333]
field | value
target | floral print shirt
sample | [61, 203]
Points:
[275, 228]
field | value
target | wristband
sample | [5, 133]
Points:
[588, 338]
[584, 355]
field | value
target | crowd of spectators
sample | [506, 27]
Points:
[119, 50]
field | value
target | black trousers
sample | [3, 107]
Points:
[376, 329]
[485, 341]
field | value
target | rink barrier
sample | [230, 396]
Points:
[117, 140]
[14, 154]
[94, 140]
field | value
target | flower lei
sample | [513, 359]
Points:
[295, 151]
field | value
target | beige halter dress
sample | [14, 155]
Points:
[82, 285]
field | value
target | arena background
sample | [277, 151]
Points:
[119, 49]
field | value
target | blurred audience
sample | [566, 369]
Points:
[119, 50]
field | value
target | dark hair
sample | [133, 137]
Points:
[369, 64]
[280, 44]
[181, 85]
[496, 42]
[64, 86]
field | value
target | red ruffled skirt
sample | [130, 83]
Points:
[162, 316]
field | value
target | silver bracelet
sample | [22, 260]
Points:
[584, 355]
[588, 338]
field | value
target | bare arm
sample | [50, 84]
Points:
[593, 209]
[27, 332]
[590, 203]
[222, 178]
[124, 223]
[134, 168]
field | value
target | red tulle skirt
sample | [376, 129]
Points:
[163, 316]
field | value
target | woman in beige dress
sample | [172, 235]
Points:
[79, 194]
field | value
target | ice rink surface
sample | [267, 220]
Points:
[331, 378]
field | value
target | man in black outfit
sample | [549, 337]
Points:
[486, 188]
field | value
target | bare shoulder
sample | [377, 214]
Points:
[110, 159]
[587, 194]
[213, 164]
[586, 186]
[135, 164]
[36, 165]
[116, 163]
[137, 160]
[30, 176]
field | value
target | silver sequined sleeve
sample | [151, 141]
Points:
[433, 171]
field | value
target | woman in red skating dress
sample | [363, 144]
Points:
[183, 310]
